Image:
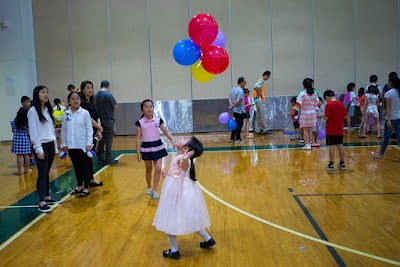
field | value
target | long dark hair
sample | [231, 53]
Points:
[307, 84]
[194, 145]
[21, 120]
[38, 106]
[82, 95]
[142, 104]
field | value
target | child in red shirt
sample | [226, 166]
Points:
[335, 114]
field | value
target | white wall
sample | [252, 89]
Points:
[17, 60]
[130, 43]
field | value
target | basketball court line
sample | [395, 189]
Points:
[19, 233]
[297, 233]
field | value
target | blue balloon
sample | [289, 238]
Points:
[232, 124]
[186, 53]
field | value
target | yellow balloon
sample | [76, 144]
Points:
[200, 74]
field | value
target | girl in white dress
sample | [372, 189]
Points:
[182, 209]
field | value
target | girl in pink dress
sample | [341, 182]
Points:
[182, 209]
[149, 146]
[307, 101]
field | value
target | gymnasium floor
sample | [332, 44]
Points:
[270, 204]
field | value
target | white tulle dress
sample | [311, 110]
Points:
[182, 209]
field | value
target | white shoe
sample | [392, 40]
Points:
[155, 195]
[149, 192]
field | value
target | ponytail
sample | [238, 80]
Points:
[192, 171]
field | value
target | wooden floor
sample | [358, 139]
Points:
[268, 177]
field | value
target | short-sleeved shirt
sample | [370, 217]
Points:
[336, 112]
[152, 147]
[377, 86]
[105, 103]
[393, 94]
[237, 92]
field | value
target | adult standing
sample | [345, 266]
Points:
[87, 103]
[262, 125]
[43, 137]
[392, 100]
[237, 105]
[105, 105]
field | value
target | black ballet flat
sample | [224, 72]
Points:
[208, 244]
[173, 255]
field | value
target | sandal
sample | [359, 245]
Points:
[76, 191]
[94, 184]
[84, 194]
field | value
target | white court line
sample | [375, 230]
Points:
[297, 233]
[398, 147]
[29, 225]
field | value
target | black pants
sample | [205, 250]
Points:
[44, 166]
[81, 166]
[239, 117]
[108, 134]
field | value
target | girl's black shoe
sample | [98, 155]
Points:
[172, 255]
[208, 244]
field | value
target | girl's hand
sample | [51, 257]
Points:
[88, 148]
[65, 149]
[139, 156]
[164, 172]
[40, 156]
[290, 114]
[187, 155]
[100, 129]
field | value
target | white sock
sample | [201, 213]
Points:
[204, 235]
[172, 242]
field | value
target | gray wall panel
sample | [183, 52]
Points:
[177, 116]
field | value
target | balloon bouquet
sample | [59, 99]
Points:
[205, 53]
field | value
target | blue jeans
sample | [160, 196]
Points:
[388, 133]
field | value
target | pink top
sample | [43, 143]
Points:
[246, 102]
[150, 128]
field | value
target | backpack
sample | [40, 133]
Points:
[346, 100]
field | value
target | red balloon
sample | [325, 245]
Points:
[215, 60]
[203, 29]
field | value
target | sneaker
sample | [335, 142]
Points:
[292, 137]
[240, 141]
[154, 195]
[377, 155]
[173, 255]
[342, 166]
[113, 162]
[52, 201]
[208, 244]
[149, 192]
[44, 209]
[301, 140]
[330, 167]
